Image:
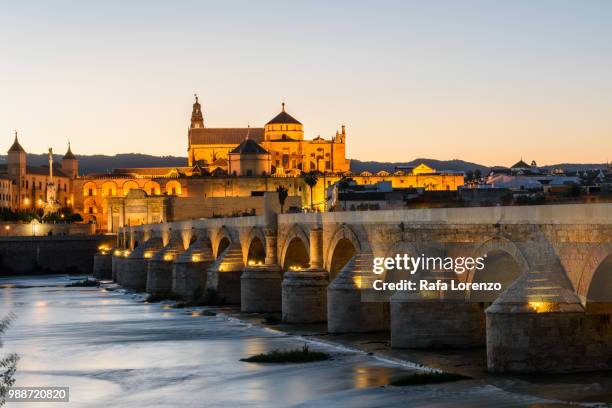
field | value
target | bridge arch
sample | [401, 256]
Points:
[222, 240]
[342, 247]
[254, 249]
[597, 284]
[296, 249]
[504, 263]
[594, 265]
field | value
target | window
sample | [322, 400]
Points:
[40, 185]
[327, 165]
[173, 190]
[249, 173]
[90, 192]
[108, 193]
[27, 184]
[90, 210]
[152, 190]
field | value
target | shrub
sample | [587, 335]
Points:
[85, 283]
[8, 364]
[303, 355]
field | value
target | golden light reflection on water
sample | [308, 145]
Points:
[366, 377]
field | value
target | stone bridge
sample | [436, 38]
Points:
[554, 263]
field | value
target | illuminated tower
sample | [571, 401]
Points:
[197, 119]
[16, 166]
[70, 164]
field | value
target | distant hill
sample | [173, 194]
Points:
[357, 166]
[102, 164]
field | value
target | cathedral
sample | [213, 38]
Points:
[278, 148]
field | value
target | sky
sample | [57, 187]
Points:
[484, 81]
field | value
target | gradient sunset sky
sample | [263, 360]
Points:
[483, 81]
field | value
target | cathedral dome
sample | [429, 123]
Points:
[284, 118]
[284, 127]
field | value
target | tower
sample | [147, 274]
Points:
[16, 166]
[197, 119]
[70, 164]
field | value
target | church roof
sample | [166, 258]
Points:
[44, 170]
[520, 165]
[283, 118]
[249, 146]
[69, 155]
[224, 135]
[16, 147]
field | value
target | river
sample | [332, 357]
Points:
[113, 349]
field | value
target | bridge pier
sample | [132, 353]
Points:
[261, 289]
[223, 276]
[116, 264]
[133, 269]
[189, 270]
[103, 264]
[540, 325]
[260, 286]
[304, 297]
[352, 306]
[304, 293]
[436, 319]
[159, 268]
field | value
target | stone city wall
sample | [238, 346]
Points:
[50, 254]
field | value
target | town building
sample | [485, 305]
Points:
[227, 172]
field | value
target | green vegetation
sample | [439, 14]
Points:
[64, 215]
[303, 355]
[311, 180]
[283, 193]
[8, 364]
[427, 378]
[85, 283]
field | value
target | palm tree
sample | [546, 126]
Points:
[283, 193]
[311, 179]
[343, 185]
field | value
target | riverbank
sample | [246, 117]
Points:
[113, 349]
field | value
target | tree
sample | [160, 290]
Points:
[311, 179]
[469, 175]
[343, 185]
[283, 193]
[477, 174]
[8, 364]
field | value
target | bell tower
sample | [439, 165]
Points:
[16, 166]
[197, 118]
[70, 164]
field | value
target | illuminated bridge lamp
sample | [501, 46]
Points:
[117, 252]
[148, 254]
[541, 307]
[168, 257]
[195, 258]
[126, 253]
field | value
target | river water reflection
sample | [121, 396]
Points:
[113, 350]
